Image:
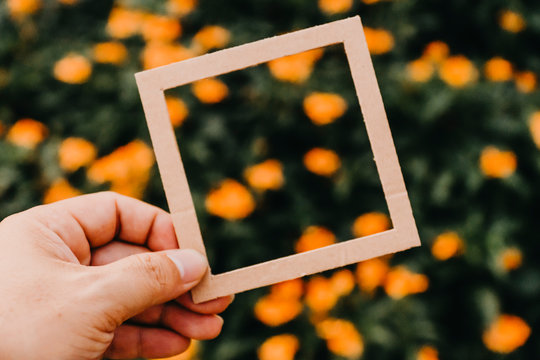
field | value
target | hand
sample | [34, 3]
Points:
[55, 304]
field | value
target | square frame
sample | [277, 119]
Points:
[152, 85]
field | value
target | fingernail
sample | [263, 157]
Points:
[190, 263]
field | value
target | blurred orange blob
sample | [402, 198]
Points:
[21, 8]
[76, 152]
[427, 352]
[59, 190]
[320, 295]
[331, 7]
[157, 54]
[379, 41]
[160, 28]
[212, 37]
[506, 334]
[420, 70]
[123, 23]
[322, 162]
[511, 21]
[295, 68]
[495, 163]
[267, 175]
[178, 110]
[27, 133]
[370, 223]
[446, 245]
[314, 237]
[525, 81]
[231, 201]
[111, 52]
[189, 354]
[342, 282]
[498, 69]
[534, 127]
[181, 7]
[401, 282]
[324, 108]
[436, 52]
[458, 71]
[210, 91]
[341, 337]
[511, 258]
[274, 311]
[371, 274]
[68, 2]
[288, 290]
[72, 69]
[279, 347]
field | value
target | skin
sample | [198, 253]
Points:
[92, 276]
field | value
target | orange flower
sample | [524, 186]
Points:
[295, 68]
[510, 259]
[280, 347]
[369, 2]
[498, 69]
[178, 110]
[231, 201]
[534, 127]
[267, 175]
[497, 164]
[511, 21]
[370, 223]
[60, 190]
[212, 37]
[274, 311]
[420, 70]
[68, 2]
[379, 41]
[458, 71]
[447, 245]
[331, 7]
[525, 81]
[288, 290]
[124, 23]
[160, 28]
[341, 337]
[189, 354]
[181, 7]
[322, 162]
[371, 274]
[436, 52]
[427, 353]
[314, 237]
[21, 8]
[400, 282]
[76, 152]
[342, 282]
[111, 52]
[210, 91]
[506, 334]
[320, 295]
[158, 54]
[27, 133]
[72, 69]
[324, 108]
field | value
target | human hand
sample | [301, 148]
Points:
[55, 304]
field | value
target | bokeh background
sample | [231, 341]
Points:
[279, 161]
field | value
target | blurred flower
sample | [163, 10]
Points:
[21, 8]
[314, 237]
[427, 352]
[111, 52]
[379, 41]
[342, 282]
[447, 245]
[322, 162]
[458, 71]
[124, 23]
[331, 7]
[160, 28]
[279, 347]
[288, 290]
[2, 128]
[210, 91]
[320, 295]
[72, 69]
[68, 2]
[511, 21]
[75, 152]
[525, 81]
[371, 274]
[370, 223]
[274, 311]
[27, 133]
[369, 2]
[436, 52]
[267, 175]
[420, 70]
[212, 37]
[295, 68]
[231, 201]
[158, 54]
[510, 258]
[181, 7]
[506, 334]
[341, 337]
[498, 69]
[59, 190]
[401, 282]
[189, 354]
[534, 127]
[178, 111]
[495, 163]
[324, 108]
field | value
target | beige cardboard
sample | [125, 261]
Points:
[153, 83]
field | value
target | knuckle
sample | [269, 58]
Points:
[155, 271]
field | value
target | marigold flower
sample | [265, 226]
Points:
[324, 108]
[314, 237]
[295, 68]
[267, 175]
[156, 54]
[495, 163]
[111, 52]
[371, 274]
[401, 282]
[427, 352]
[288, 290]
[27, 133]
[231, 201]
[274, 311]
[279, 347]
[178, 110]
[72, 69]
[447, 245]
[420, 70]
[210, 91]
[511, 21]
[534, 127]
[436, 52]
[498, 69]
[181, 7]
[320, 295]
[510, 258]
[525, 81]
[322, 162]
[59, 190]
[189, 354]
[506, 334]
[76, 152]
[331, 7]
[341, 337]
[370, 223]
[160, 28]
[123, 23]
[379, 41]
[21, 8]
[342, 282]
[212, 37]
[458, 71]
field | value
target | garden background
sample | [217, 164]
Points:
[279, 161]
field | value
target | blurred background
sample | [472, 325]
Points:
[279, 162]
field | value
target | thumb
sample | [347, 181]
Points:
[137, 282]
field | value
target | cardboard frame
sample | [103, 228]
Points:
[152, 85]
